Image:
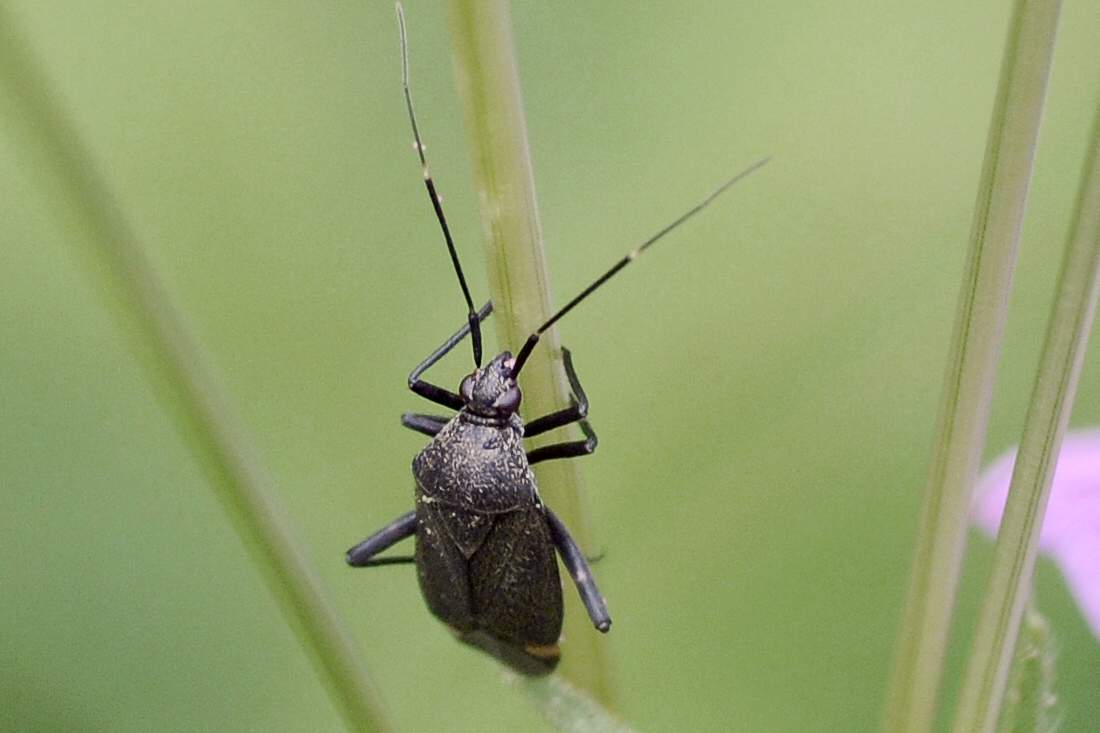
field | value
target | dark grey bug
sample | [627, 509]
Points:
[485, 542]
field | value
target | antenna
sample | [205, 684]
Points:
[533, 339]
[475, 326]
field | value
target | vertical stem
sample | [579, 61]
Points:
[1048, 414]
[488, 84]
[976, 342]
[177, 365]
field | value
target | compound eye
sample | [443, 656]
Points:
[466, 389]
[509, 401]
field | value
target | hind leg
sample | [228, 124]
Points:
[362, 555]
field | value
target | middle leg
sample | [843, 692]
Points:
[568, 449]
[430, 425]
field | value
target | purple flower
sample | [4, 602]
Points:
[1071, 529]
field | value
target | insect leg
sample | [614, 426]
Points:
[574, 413]
[570, 449]
[362, 555]
[577, 411]
[439, 395]
[427, 424]
[578, 568]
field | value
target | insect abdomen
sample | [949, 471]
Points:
[505, 597]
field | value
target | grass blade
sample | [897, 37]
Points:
[1030, 704]
[488, 84]
[195, 399]
[975, 348]
[1047, 417]
[570, 710]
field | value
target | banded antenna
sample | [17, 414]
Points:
[533, 339]
[475, 326]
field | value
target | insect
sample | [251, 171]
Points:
[485, 541]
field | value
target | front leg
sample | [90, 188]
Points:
[577, 412]
[439, 395]
[578, 569]
[362, 555]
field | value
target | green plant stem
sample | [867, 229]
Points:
[488, 84]
[975, 347]
[1030, 704]
[568, 709]
[1047, 417]
[186, 384]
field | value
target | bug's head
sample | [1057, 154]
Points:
[491, 391]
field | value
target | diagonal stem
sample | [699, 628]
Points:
[1051, 403]
[975, 348]
[177, 365]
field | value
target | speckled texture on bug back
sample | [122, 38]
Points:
[485, 559]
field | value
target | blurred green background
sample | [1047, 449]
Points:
[764, 385]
